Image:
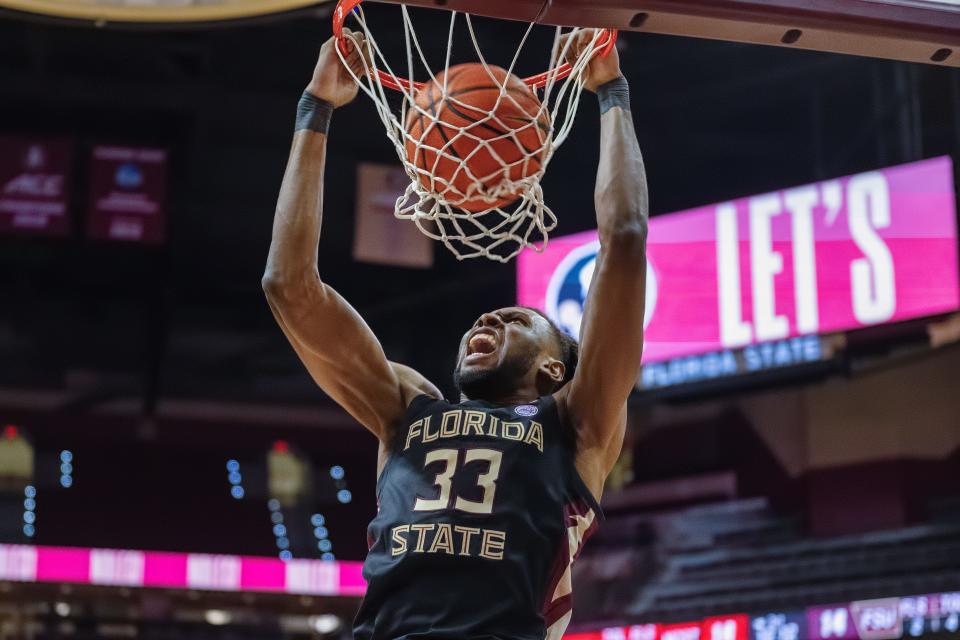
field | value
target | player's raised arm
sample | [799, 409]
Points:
[611, 335]
[336, 345]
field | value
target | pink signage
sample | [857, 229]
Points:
[34, 185]
[128, 192]
[25, 563]
[874, 248]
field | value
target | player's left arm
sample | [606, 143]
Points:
[611, 334]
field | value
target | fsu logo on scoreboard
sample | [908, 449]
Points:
[877, 619]
[570, 282]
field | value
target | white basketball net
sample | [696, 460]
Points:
[501, 232]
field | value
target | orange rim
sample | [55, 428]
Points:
[538, 81]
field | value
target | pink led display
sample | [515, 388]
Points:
[874, 248]
[117, 567]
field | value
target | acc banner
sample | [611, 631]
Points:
[868, 249]
[34, 185]
[128, 193]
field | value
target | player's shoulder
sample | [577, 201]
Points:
[413, 384]
[588, 434]
[412, 387]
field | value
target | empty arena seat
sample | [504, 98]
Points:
[743, 556]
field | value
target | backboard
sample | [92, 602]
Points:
[911, 30]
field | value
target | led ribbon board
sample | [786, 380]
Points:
[129, 568]
[839, 255]
[932, 615]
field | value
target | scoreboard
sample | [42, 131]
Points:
[925, 616]
[774, 269]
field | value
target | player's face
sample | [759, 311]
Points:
[499, 350]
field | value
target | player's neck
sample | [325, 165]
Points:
[523, 395]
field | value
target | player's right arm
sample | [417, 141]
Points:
[338, 348]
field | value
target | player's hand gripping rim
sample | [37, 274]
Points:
[332, 81]
[601, 68]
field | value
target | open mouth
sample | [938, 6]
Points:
[481, 344]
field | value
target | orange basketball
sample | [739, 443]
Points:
[476, 148]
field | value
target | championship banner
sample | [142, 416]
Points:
[869, 249]
[379, 236]
[128, 193]
[34, 185]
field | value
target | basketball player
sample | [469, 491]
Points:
[483, 503]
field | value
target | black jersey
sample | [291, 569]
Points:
[481, 513]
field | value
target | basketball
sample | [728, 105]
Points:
[473, 139]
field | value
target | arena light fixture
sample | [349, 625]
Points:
[217, 617]
[155, 11]
[235, 478]
[29, 511]
[325, 623]
[66, 468]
